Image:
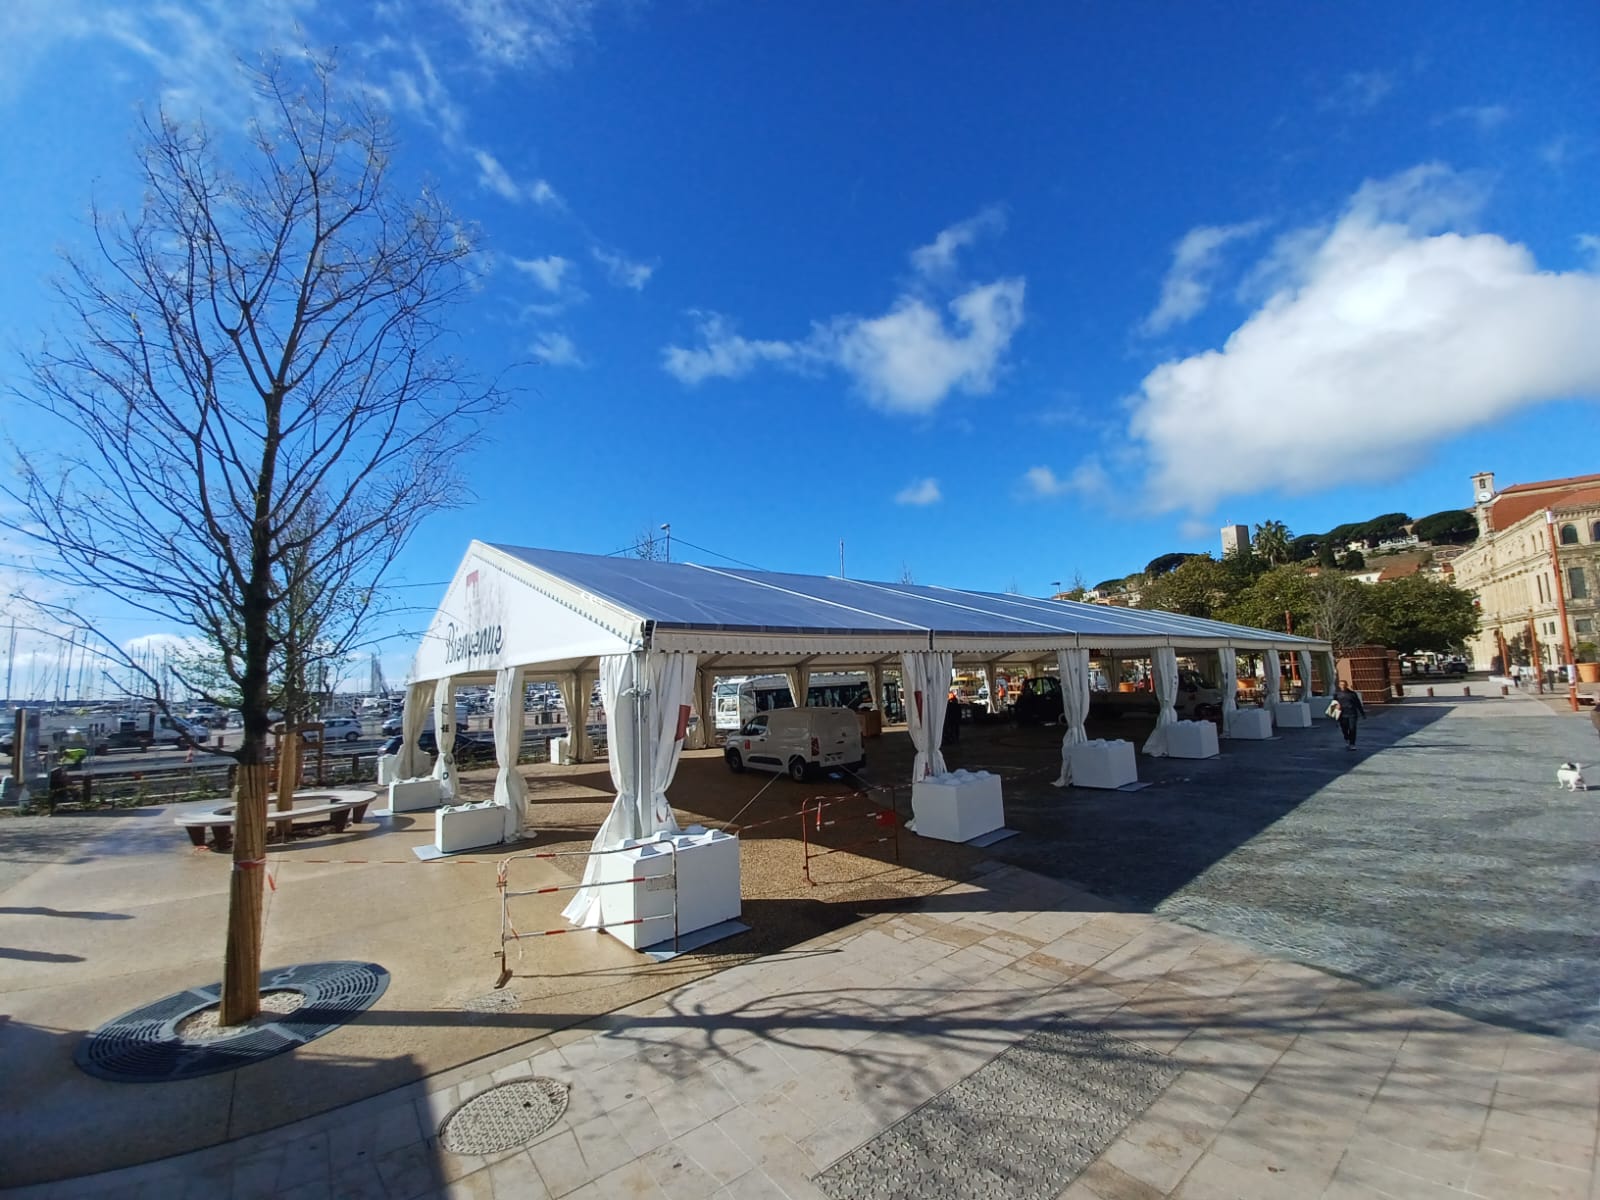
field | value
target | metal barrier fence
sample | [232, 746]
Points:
[509, 931]
[812, 824]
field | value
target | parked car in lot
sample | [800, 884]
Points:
[467, 748]
[335, 729]
[798, 742]
[1455, 666]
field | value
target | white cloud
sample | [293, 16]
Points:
[906, 361]
[548, 273]
[938, 257]
[1389, 332]
[514, 33]
[910, 359]
[922, 492]
[1589, 243]
[1195, 261]
[194, 49]
[722, 354]
[1487, 117]
[623, 271]
[495, 177]
[1086, 479]
[556, 350]
[542, 194]
[1359, 92]
[423, 94]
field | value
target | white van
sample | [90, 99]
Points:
[797, 742]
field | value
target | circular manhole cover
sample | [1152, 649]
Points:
[510, 1114]
[145, 1045]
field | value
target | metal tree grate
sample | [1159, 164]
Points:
[509, 1115]
[144, 1046]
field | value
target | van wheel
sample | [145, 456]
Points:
[352, 737]
[798, 769]
[735, 763]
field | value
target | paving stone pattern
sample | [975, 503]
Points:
[1021, 1127]
[1450, 868]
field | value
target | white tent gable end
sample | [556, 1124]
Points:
[496, 615]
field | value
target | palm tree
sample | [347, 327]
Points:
[1272, 541]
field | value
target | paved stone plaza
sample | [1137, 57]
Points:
[1018, 1034]
[1443, 861]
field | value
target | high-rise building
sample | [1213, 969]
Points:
[1235, 539]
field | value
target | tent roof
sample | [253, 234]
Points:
[513, 605]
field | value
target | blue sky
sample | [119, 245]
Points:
[993, 300]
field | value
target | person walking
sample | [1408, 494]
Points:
[1351, 710]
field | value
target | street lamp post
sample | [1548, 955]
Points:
[1561, 609]
[667, 529]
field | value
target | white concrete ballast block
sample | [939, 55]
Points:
[708, 885]
[1192, 739]
[1295, 715]
[409, 795]
[957, 807]
[468, 826]
[1103, 764]
[1252, 724]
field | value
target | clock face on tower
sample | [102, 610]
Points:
[1485, 496]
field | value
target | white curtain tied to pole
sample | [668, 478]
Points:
[667, 724]
[1164, 664]
[991, 675]
[925, 687]
[617, 674]
[1304, 657]
[1272, 685]
[1228, 664]
[799, 684]
[509, 789]
[1330, 673]
[419, 696]
[1073, 666]
[705, 706]
[569, 685]
[647, 701]
[444, 735]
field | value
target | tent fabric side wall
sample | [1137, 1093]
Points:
[1228, 669]
[1073, 666]
[510, 790]
[1164, 663]
[444, 735]
[1273, 684]
[926, 679]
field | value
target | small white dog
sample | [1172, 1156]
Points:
[1570, 776]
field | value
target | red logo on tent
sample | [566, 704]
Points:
[472, 580]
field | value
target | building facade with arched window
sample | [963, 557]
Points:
[1509, 568]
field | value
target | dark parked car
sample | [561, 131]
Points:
[1456, 666]
[468, 747]
[1039, 702]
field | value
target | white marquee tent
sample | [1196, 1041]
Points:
[655, 635]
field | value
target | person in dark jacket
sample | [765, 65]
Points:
[1351, 710]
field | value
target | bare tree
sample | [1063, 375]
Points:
[1338, 606]
[649, 547]
[905, 573]
[260, 406]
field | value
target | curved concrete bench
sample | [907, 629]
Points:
[340, 806]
